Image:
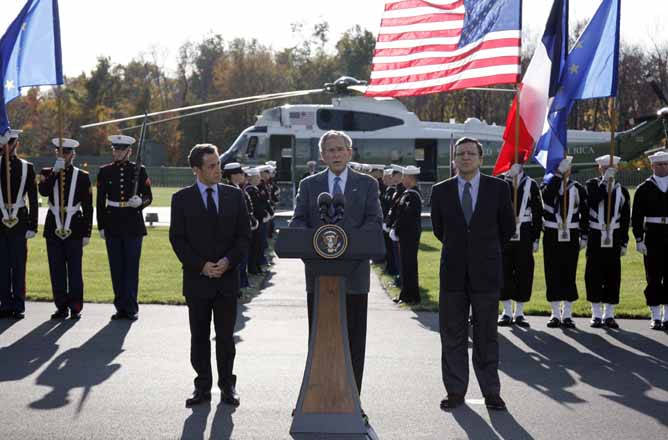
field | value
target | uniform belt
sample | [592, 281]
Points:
[525, 219]
[117, 204]
[657, 220]
[555, 225]
[73, 209]
[600, 227]
[19, 204]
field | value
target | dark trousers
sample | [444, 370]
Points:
[13, 257]
[66, 272]
[243, 273]
[656, 271]
[254, 252]
[396, 250]
[561, 265]
[410, 289]
[454, 328]
[390, 264]
[224, 310]
[603, 273]
[124, 255]
[518, 268]
[356, 311]
[264, 230]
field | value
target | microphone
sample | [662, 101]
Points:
[339, 203]
[324, 202]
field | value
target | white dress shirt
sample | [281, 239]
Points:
[330, 180]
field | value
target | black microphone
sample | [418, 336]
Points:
[339, 203]
[324, 202]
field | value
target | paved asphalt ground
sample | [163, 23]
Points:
[97, 379]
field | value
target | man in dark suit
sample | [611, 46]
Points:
[472, 216]
[210, 235]
[362, 211]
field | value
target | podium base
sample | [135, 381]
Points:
[370, 435]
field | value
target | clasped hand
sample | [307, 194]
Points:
[216, 270]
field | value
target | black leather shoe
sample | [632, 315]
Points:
[504, 321]
[229, 396]
[568, 323]
[118, 315]
[365, 417]
[18, 315]
[656, 325]
[611, 323]
[396, 300]
[75, 316]
[60, 314]
[452, 401]
[199, 397]
[596, 323]
[521, 321]
[495, 403]
[554, 323]
[131, 316]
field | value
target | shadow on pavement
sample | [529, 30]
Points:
[83, 367]
[222, 425]
[6, 324]
[473, 424]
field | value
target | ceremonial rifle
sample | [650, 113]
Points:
[138, 161]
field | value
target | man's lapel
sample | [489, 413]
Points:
[454, 193]
[322, 185]
[482, 191]
[352, 185]
[197, 197]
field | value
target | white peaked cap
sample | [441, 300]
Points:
[397, 168]
[271, 163]
[661, 156]
[411, 170]
[67, 143]
[387, 171]
[605, 160]
[252, 172]
[121, 139]
[232, 166]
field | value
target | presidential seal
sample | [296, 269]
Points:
[330, 241]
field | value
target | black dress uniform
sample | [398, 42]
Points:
[561, 258]
[261, 214]
[16, 222]
[389, 220]
[603, 269]
[124, 229]
[408, 228]
[265, 198]
[386, 203]
[65, 253]
[518, 261]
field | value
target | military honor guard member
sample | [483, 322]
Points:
[386, 198]
[562, 241]
[18, 224]
[120, 222]
[389, 219]
[406, 230]
[650, 228]
[262, 214]
[608, 241]
[518, 262]
[67, 231]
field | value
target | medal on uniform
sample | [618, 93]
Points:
[606, 237]
[564, 233]
[10, 222]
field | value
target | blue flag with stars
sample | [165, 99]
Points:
[590, 72]
[30, 52]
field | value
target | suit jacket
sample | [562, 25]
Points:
[362, 211]
[472, 252]
[195, 242]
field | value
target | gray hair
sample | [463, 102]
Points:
[335, 134]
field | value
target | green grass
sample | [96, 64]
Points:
[632, 301]
[159, 278]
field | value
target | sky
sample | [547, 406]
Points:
[155, 29]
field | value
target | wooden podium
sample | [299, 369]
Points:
[328, 406]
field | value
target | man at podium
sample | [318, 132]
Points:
[362, 211]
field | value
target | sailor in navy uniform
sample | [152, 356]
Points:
[120, 222]
[650, 228]
[265, 193]
[397, 173]
[607, 242]
[261, 213]
[274, 194]
[67, 233]
[406, 230]
[518, 262]
[562, 242]
[18, 225]
[385, 201]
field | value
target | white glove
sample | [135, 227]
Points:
[640, 247]
[535, 246]
[393, 235]
[102, 234]
[386, 228]
[30, 234]
[583, 243]
[135, 202]
[86, 240]
[59, 165]
[515, 170]
[623, 251]
[565, 165]
[266, 218]
[610, 173]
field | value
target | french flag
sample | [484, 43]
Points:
[538, 88]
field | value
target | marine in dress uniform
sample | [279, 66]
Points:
[18, 225]
[120, 222]
[67, 233]
[518, 261]
[562, 242]
[265, 193]
[607, 242]
[389, 219]
[261, 213]
[274, 194]
[650, 228]
[406, 230]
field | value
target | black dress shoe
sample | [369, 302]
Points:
[199, 397]
[495, 403]
[452, 402]
[611, 323]
[229, 396]
[396, 300]
[568, 323]
[596, 323]
[60, 314]
[131, 316]
[365, 417]
[504, 321]
[521, 321]
[656, 325]
[554, 323]
[18, 315]
[75, 316]
[118, 315]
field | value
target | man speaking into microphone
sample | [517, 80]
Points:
[362, 211]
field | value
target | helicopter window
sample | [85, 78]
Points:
[252, 145]
[354, 121]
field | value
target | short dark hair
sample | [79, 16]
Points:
[197, 153]
[467, 140]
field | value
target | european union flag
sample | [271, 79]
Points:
[590, 72]
[30, 52]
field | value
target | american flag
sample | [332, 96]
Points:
[442, 45]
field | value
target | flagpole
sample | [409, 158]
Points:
[61, 175]
[9, 180]
[516, 182]
[613, 123]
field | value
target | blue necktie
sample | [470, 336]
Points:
[337, 186]
[467, 203]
